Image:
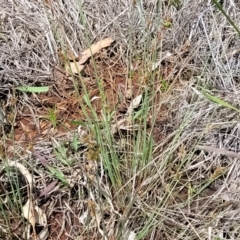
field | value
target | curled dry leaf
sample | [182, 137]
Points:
[134, 104]
[34, 215]
[23, 170]
[94, 98]
[126, 123]
[84, 56]
[77, 66]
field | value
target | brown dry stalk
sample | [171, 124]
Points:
[219, 151]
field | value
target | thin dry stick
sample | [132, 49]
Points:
[219, 151]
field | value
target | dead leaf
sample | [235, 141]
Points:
[41, 158]
[34, 215]
[77, 66]
[155, 65]
[94, 98]
[28, 213]
[115, 128]
[48, 189]
[83, 218]
[84, 56]
[129, 235]
[24, 172]
[74, 68]
[134, 104]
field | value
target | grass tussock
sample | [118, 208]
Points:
[143, 143]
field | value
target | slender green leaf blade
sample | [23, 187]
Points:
[61, 154]
[58, 175]
[75, 142]
[78, 123]
[33, 89]
[226, 15]
[219, 101]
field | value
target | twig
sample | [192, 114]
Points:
[219, 151]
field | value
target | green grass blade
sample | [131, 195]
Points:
[59, 175]
[219, 101]
[218, 5]
[33, 89]
[75, 142]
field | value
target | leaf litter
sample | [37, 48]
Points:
[153, 183]
[30, 211]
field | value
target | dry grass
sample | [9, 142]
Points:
[153, 181]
